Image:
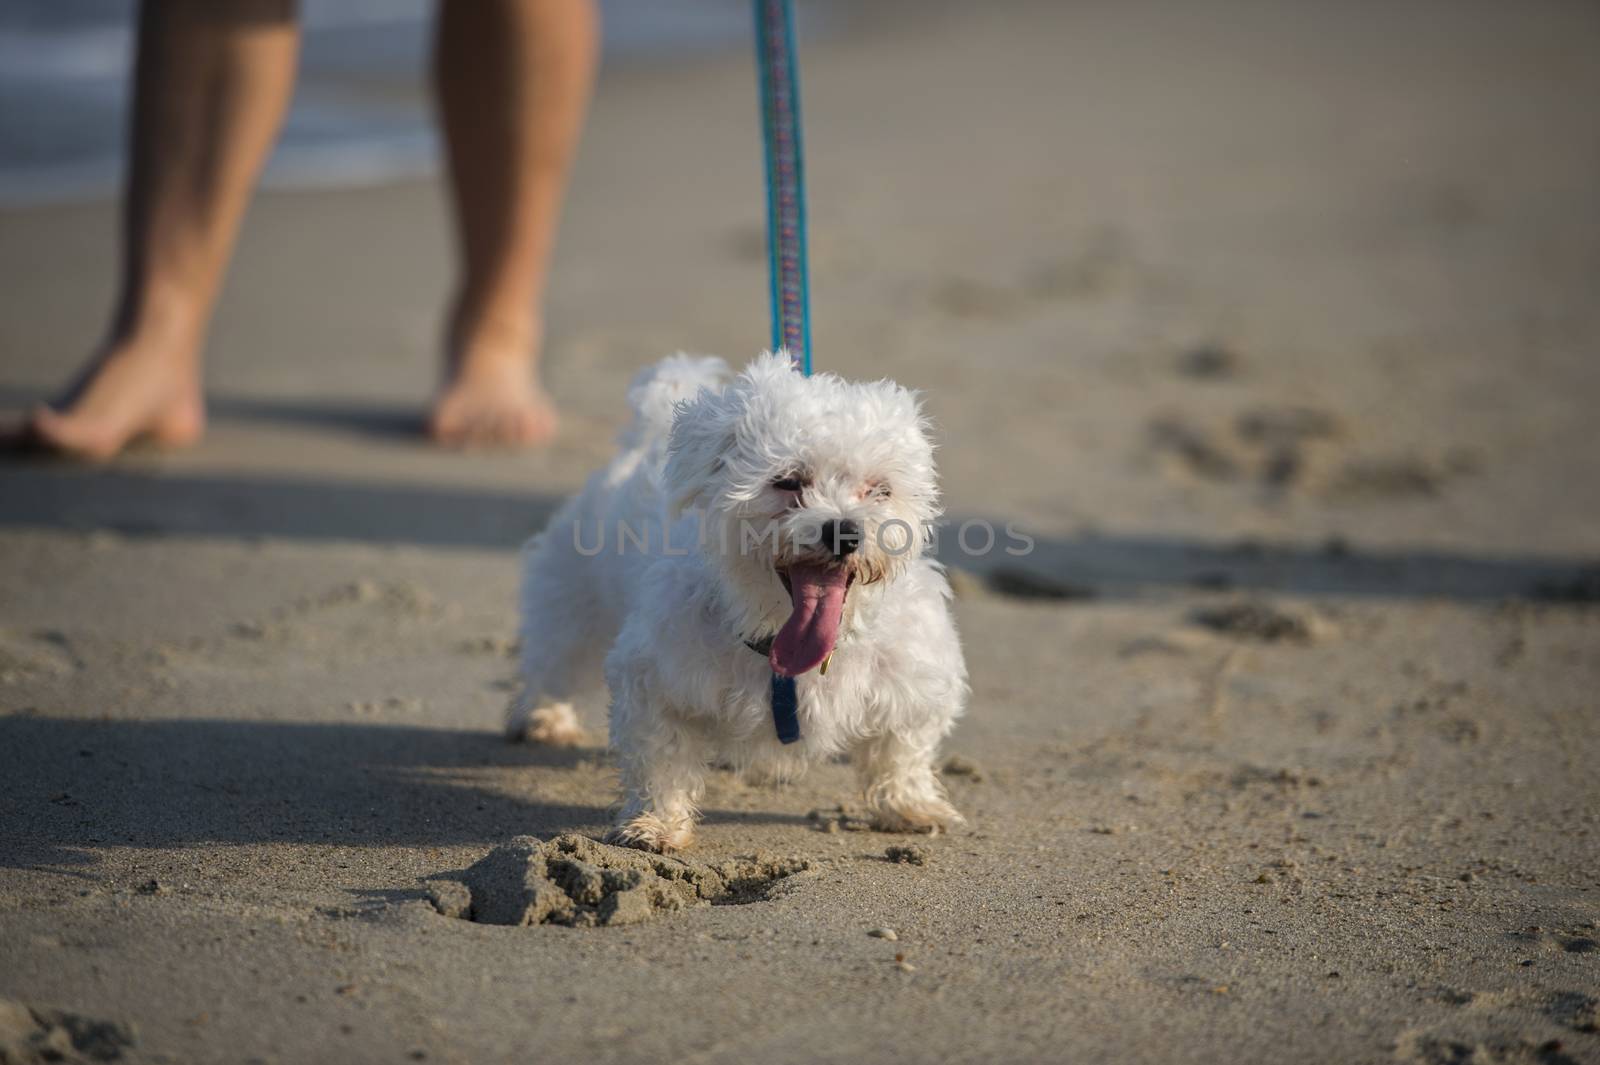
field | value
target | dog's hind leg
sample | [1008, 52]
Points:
[556, 666]
[564, 640]
[545, 722]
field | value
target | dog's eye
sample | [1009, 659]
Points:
[879, 491]
[788, 484]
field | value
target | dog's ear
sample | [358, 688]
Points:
[702, 433]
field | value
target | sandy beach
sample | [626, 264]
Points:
[1273, 324]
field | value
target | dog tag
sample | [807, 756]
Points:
[785, 708]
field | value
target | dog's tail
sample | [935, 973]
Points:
[657, 390]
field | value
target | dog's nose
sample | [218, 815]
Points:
[842, 537]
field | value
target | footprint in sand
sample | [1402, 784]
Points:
[1295, 447]
[1267, 445]
[27, 656]
[34, 1033]
[1261, 622]
[392, 600]
[1510, 1026]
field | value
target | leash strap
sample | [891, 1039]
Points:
[786, 242]
[786, 190]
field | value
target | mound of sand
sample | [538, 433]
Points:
[573, 880]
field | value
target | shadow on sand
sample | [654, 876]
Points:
[153, 504]
[134, 503]
[72, 784]
[401, 422]
[178, 783]
[1117, 566]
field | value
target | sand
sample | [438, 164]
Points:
[1273, 325]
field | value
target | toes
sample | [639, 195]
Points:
[496, 429]
[473, 429]
[66, 435]
[469, 433]
[468, 418]
[445, 423]
[536, 426]
[469, 429]
[442, 427]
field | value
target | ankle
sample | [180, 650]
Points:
[495, 334]
[160, 322]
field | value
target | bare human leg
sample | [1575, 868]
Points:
[513, 79]
[211, 85]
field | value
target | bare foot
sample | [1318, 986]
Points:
[141, 390]
[493, 398]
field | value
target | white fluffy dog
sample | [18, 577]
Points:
[750, 531]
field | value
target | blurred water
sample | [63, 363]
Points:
[360, 113]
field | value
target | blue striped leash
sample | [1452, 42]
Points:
[786, 241]
[786, 187]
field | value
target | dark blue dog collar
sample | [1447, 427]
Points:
[785, 697]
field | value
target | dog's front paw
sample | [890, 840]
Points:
[551, 725]
[930, 816]
[647, 832]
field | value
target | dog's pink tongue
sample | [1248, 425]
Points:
[811, 631]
